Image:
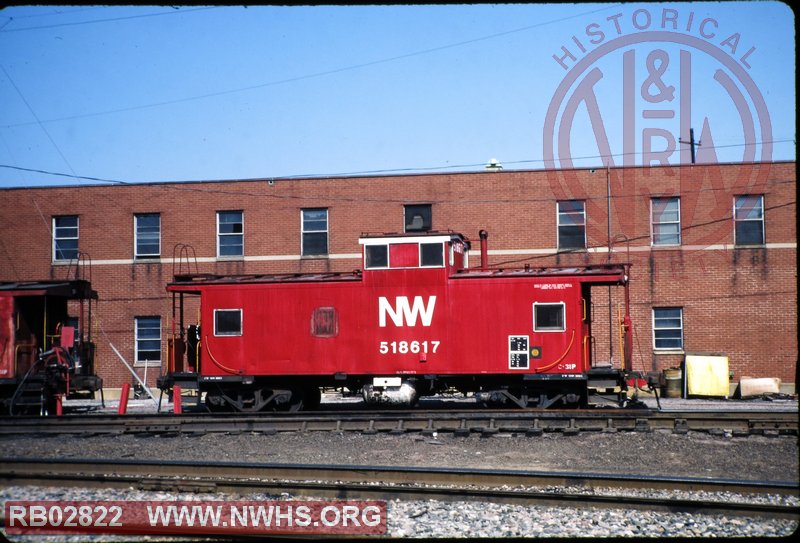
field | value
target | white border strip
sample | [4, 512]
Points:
[357, 256]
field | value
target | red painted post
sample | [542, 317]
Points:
[484, 235]
[59, 405]
[123, 399]
[176, 399]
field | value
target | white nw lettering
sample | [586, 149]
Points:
[404, 314]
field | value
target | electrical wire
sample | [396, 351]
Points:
[35, 116]
[306, 76]
[112, 19]
[323, 176]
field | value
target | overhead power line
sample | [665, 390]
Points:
[387, 171]
[111, 19]
[312, 75]
[35, 116]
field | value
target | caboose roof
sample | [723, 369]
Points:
[74, 290]
[181, 281]
[596, 273]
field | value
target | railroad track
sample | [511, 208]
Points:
[428, 422]
[407, 483]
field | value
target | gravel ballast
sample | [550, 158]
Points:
[658, 453]
[654, 453]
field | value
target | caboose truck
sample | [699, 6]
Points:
[44, 353]
[415, 321]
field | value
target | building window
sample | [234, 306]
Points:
[748, 218]
[418, 217]
[314, 232]
[668, 328]
[548, 317]
[148, 340]
[571, 225]
[65, 238]
[230, 233]
[227, 322]
[665, 220]
[148, 235]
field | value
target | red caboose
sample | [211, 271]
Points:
[45, 353]
[414, 322]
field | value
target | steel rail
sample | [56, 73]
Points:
[458, 422]
[407, 483]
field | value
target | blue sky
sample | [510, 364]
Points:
[142, 94]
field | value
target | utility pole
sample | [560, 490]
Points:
[608, 224]
[691, 142]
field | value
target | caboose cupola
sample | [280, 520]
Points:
[429, 250]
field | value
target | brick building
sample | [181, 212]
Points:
[713, 246]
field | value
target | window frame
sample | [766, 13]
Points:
[425, 209]
[367, 248]
[737, 221]
[241, 322]
[220, 235]
[656, 329]
[654, 224]
[550, 329]
[323, 317]
[441, 246]
[304, 232]
[144, 256]
[559, 213]
[56, 238]
[137, 339]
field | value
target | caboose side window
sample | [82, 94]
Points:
[325, 322]
[431, 254]
[549, 317]
[377, 256]
[227, 322]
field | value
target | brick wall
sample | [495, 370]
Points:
[738, 301]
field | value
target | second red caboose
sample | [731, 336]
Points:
[415, 321]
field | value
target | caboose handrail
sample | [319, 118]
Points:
[81, 256]
[182, 250]
[216, 362]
